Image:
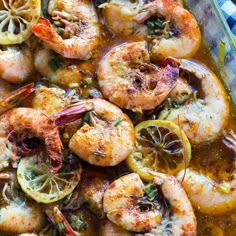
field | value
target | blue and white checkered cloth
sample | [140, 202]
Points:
[228, 8]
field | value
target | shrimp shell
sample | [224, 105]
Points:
[28, 123]
[128, 79]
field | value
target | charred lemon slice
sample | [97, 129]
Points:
[37, 181]
[160, 146]
[16, 18]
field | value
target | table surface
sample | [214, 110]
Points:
[228, 8]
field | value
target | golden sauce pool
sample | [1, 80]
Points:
[213, 159]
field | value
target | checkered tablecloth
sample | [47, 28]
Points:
[229, 10]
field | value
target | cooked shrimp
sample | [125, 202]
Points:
[171, 29]
[50, 100]
[16, 63]
[78, 32]
[92, 187]
[19, 124]
[202, 119]
[106, 138]
[14, 98]
[180, 36]
[207, 195]
[61, 71]
[125, 205]
[57, 218]
[19, 216]
[128, 79]
[119, 16]
[181, 219]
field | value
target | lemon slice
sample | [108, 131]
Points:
[39, 183]
[160, 146]
[16, 18]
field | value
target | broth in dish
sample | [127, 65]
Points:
[114, 121]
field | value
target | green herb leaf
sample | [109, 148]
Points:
[55, 62]
[151, 191]
[175, 104]
[61, 228]
[89, 81]
[118, 122]
[77, 224]
[86, 118]
[158, 22]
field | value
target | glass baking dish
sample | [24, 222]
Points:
[218, 38]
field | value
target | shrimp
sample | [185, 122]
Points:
[202, 119]
[19, 124]
[125, 205]
[181, 219]
[19, 216]
[207, 195]
[78, 33]
[92, 187]
[119, 16]
[51, 100]
[128, 79]
[57, 218]
[171, 29]
[107, 136]
[61, 71]
[180, 36]
[14, 98]
[16, 63]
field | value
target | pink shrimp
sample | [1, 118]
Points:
[15, 97]
[79, 31]
[19, 124]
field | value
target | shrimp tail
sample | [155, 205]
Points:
[44, 30]
[72, 113]
[15, 97]
[57, 217]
